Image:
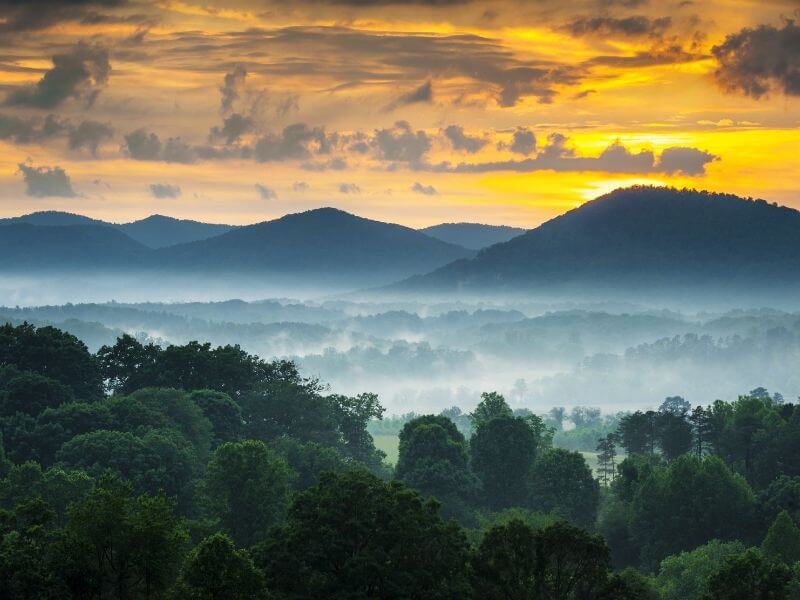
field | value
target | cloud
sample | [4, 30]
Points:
[757, 61]
[293, 143]
[523, 141]
[142, 145]
[232, 84]
[423, 93]
[233, 128]
[636, 26]
[46, 181]
[79, 74]
[615, 158]
[334, 164]
[31, 15]
[400, 143]
[266, 193]
[427, 190]
[688, 161]
[165, 190]
[461, 141]
[349, 188]
[89, 135]
[300, 187]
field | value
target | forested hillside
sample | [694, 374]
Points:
[200, 472]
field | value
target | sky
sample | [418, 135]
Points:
[416, 112]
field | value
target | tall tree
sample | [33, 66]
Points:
[491, 406]
[701, 430]
[749, 576]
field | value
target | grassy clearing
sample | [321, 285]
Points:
[390, 445]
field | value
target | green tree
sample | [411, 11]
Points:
[674, 435]
[308, 460]
[128, 546]
[216, 570]
[638, 432]
[224, 414]
[502, 453]
[688, 503]
[684, 576]
[357, 537]
[30, 393]
[749, 576]
[247, 488]
[54, 354]
[701, 430]
[491, 406]
[782, 542]
[559, 562]
[606, 458]
[561, 481]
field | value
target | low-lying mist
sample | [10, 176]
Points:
[424, 356]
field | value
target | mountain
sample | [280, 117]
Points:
[325, 244]
[25, 247]
[155, 231]
[158, 231]
[472, 235]
[52, 218]
[638, 238]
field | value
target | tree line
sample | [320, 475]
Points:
[194, 471]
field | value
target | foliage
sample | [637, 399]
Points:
[561, 482]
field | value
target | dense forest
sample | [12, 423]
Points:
[193, 471]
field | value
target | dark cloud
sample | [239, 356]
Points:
[165, 190]
[688, 161]
[79, 74]
[265, 192]
[400, 143]
[231, 86]
[757, 61]
[89, 135]
[294, 142]
[423, 93]
[233, 128]
[427, 190]
[523, 141]
[669, 54]
[616, 158]
[349, 188]
[18, 130]
[31, 15]
[461, 141]
[178, 151]
[635, 26]
[300, 187]
[334, 164]
[46, 181]
[142, 145]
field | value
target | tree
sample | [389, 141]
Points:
[355, 536]
[782, 542]
[491, 406]
[502, 452]
[30, 393]
[224, 414]
[129, 546]
[675, 405]
[247, 488]
[584, 417]
[606, 456]
[559, 562]
[674, 434]
[53, 353]
[638, 432]
[561, 481]
[433, 459]
[749, 576]
[308, 460]
[782, 494]
[124, 364]
[216, 570]
[352, 414]
[688, 503]
[684, 576]
[557, 415]
[701, 430]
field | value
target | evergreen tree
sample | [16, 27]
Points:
[782, 542]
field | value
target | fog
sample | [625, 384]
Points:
[425, 355]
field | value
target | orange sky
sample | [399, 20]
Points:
[501, 111]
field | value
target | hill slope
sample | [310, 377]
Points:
[636, 237]
[158, 231]
[52, 218]
[326, 243]
[26, 247]
[472, 235]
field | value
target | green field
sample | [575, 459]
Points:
[389, 444]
